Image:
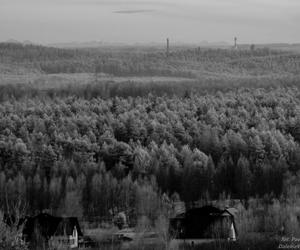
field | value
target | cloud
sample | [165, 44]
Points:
[133, 11]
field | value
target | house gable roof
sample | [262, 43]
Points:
[48, 225]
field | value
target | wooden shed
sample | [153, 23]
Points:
[207, 222]
[53, 230]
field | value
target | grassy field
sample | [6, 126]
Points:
[45, 81]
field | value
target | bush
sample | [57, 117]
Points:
[11, 236]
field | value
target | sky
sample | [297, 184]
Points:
[146, 21]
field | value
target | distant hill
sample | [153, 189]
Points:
[160, 45]
[178, 45]
[14, 41]
[140, 60]
[97, 44]
[91, 44]
[274, 46]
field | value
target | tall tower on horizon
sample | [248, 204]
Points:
[168, 47]
[235, 43]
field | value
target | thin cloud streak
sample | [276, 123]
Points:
[132, 11]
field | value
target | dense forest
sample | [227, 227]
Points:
[94, 150]
[243, 143]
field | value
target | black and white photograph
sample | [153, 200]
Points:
[149, 124]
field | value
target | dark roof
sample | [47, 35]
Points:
[199, 223]
[232, 206]
[48, 225]
[207, 211]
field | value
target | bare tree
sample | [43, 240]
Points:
[11, 226]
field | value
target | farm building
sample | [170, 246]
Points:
[207, 222]
[51, 229]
